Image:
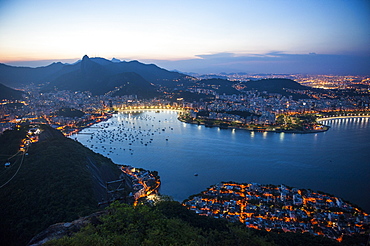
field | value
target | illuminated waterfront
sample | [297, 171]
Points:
[335, 161]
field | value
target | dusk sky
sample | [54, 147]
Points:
[255, 36]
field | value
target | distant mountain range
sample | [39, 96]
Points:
[274, 84]
[278, 86]
[97, 75]
[101, 76]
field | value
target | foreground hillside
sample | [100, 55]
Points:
[169, 223]
[57, 180]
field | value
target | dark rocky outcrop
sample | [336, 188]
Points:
[63, 229]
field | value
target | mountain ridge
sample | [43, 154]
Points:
[9, 93]
[99, 80]
[101, 76]
[86, 72]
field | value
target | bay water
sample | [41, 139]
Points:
[190, 158]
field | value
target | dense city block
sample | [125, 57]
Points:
[142, 182]
[281, 209]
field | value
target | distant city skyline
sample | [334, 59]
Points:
[320, 37]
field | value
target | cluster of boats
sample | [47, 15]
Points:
[126, 133]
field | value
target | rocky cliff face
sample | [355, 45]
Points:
[60, 230]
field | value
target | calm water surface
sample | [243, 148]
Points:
[336, 161]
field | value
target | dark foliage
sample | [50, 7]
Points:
[54, 184]
[130, 83]
[243, 114]
[9, 142]
[278, 86]
[9, 93]
[221, 86]
[169, 223]
[191, 97]
[70, 112]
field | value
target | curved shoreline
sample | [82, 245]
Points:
[325, 128]
[240, 136]
[149, 109]
[343, 117]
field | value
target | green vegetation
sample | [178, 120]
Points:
[279, 86]
[300, 122]
[169, 223]
[190, 97]
[9, 142]
[220, 86]
[55, 183]
[70, 112]
[243, 114]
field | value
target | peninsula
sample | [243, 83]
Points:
[281, 209]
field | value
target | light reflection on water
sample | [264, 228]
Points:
[336, 161]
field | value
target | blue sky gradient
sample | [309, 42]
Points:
[192, 36]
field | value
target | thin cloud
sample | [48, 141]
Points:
[272, 62]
